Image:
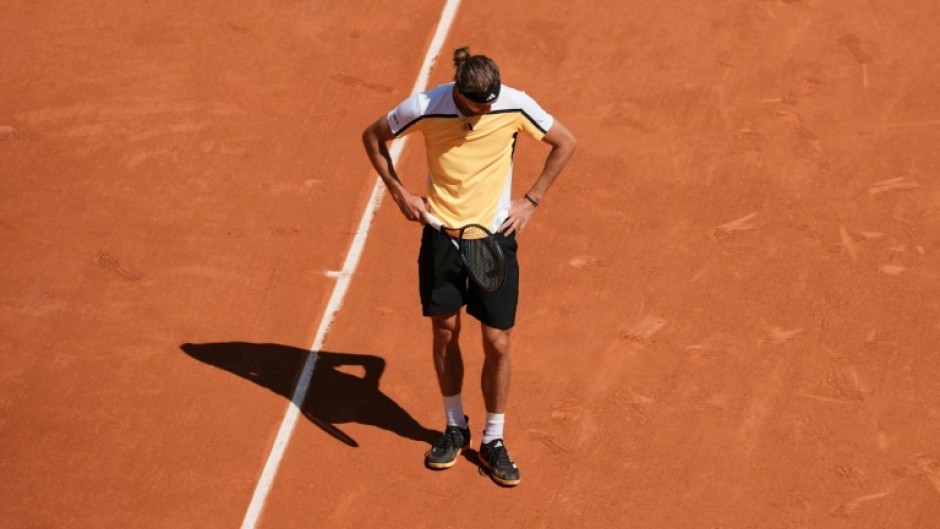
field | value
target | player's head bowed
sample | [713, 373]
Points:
[476, 76]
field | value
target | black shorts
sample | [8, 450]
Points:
[445, 286]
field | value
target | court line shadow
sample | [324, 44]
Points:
[333, 397]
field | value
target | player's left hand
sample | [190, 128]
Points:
[520, 212]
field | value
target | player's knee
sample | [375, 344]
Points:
[446, 328]
[496, 342]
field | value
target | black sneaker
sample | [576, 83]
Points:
[494, 456]
[445, 451]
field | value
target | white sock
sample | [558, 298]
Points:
[453, 409]
[494, 427]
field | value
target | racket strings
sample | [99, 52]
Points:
[483, 258]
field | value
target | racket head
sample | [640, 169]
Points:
[482, 257]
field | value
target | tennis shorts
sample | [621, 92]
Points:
[445, 286]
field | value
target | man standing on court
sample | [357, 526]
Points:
[470, 127]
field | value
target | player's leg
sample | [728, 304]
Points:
[443, 289]
[497, 314]
[448, 361]
[442, 284]
[497, 369]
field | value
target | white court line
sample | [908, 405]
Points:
[339, 291]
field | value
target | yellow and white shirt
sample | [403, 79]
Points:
[469, 157]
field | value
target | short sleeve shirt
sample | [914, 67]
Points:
[469, 158]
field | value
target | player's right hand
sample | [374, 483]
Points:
[412, 207]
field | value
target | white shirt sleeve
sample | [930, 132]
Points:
[406, 114]
[536, 116]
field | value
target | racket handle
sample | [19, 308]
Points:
[438, 225]
[434, 222]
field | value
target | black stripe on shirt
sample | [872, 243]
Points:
[504, 111]
[419, 118]
[524, 113]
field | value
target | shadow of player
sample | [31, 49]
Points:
[333, 397]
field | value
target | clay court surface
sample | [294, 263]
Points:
[730, 310]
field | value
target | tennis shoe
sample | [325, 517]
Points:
[447, 449]
[495, 457]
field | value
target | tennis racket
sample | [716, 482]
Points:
[482, 256]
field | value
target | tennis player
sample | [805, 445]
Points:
[470, 128]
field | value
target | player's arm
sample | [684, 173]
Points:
[375, 139]
[563, 145]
